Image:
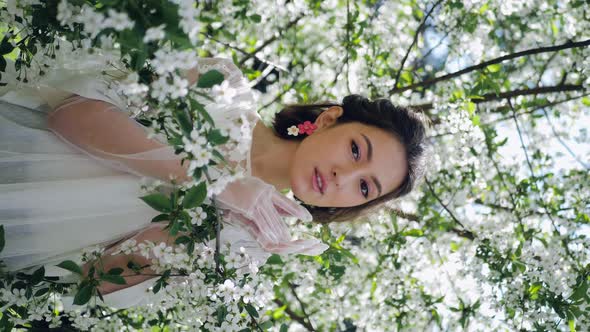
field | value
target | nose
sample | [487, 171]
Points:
[342, 176]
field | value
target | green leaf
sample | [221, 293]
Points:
[405, 77]
[70, 266]
[83, 295]
[38, 275]
[2, 64]
[586, 101]
[218, 156]
[275, 259]
[158, 201]
[221, 313]
[337, 271]
[182, 239]
[161, 217]
[251, 310]
[471, 107]
[201, 109]
[209, 79]
[572, 325]
[184, 121]
[138, 59]
[350, 255]
[115, 271]
[157, 287]
[41, 292]
[5, 46]
[113, 279]
[284, 328]
[195, 196]
[214, 136]
[266, 325]
[5, 324]
[494, 68]
[580, 292]
[175, 228]
[413, 232]
[256, 18]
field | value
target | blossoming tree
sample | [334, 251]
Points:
[496, 237]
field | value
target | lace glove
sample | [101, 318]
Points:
[259, 208]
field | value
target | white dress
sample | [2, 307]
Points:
[56, 200]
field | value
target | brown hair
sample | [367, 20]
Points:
[403, 123]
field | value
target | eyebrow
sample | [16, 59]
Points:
[369, 156]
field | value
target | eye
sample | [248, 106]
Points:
[355, 150]
[365, 188]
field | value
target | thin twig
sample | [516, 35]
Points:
[294, 316]
[217, 230]
[414, 41]
[484, 64]
[268, 62]
[528, 161]
[301, 304]
[571, 152]
[271, 39]
[503, 108]
[511, 94]
[463, 232]
[542, 201]
[347, 46]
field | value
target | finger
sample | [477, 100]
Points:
[313, 247]
[251, 227]
[270, 221]
[287, 207]
[277, 223]
[284, 248]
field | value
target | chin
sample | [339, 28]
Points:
[299, 190]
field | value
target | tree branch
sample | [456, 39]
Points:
[484, 64]
[271, 39]
[510, 94]
[542, 201]
[267, 62]
[294, 316]
[301, 304]
[569, 150]
[420, 27]
[464, 232]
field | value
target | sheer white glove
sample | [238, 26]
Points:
[259, 208]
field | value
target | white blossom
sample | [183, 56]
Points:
[197, 216]
[155, 33]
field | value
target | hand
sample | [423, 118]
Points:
[259, 208]
[276, 243]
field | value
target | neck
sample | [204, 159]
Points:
[271, 157]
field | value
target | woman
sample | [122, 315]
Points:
[344, 160]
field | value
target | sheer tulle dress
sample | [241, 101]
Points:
[57, 199]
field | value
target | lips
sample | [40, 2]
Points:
[315, 184]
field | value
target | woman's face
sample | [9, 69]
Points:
[346, 164]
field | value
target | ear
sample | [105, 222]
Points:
[328, 117]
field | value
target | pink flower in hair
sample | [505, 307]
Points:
[307, 128]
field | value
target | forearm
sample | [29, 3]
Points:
[108, 262]
[154, 233]
[101, 130]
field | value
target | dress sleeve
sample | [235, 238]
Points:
[237, 117]
[105, 132]
[230, 71]
[98, 129]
